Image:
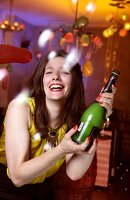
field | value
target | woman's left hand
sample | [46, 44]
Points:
[106, 100]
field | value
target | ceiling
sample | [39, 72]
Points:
[53, 12]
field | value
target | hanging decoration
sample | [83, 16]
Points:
[74, 36]
[117, 24]
[78, 36]
[87, 68]
[119, 27]
[7, 25]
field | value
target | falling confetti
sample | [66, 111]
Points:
[44, 37]
[51, 55]
[72, 58]
[23, 96]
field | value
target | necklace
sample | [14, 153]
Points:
[52, 140]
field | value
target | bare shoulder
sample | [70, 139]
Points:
[16, 104]
[16, 108]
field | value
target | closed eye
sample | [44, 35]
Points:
[65, 72]
[48, 72]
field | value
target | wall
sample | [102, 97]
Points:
[93, 84]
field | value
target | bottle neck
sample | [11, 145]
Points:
[112, 80]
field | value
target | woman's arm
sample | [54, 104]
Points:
[22, 170]
[77, 160]
[78, 164]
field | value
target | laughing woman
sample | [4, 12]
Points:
[37, 133]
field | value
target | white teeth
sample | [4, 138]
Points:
[55, 87]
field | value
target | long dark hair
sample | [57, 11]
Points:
[75, 103]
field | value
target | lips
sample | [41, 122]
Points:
[56, 87]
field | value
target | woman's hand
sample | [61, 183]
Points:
[106, 100]
[77, 159]
[68, 146]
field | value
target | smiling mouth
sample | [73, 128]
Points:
[56, 87]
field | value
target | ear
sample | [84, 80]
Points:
[13, 54]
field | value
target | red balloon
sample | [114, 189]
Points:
[69, 37]
[13, 54]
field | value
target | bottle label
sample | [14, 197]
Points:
[80, 126]
[83, 127]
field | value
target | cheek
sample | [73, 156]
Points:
[45, 84]
[70, 86]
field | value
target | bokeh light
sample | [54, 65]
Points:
[91, 7]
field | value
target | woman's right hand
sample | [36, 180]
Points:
[68, 146]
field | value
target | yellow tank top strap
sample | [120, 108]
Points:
[31, 103]
[37, 144]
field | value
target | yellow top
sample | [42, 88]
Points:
[36, 146]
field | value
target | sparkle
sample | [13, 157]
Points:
[91, 7]
[44, 37]
[22, 97]
[71, 59]
[52, 55]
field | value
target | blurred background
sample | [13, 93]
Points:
[100, 30]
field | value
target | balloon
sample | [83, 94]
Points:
[69, 37]
[106, 33]
[110, 17]
[127, 26]
[97, 41]
[81, 21]
[12, 54]
[124, 17]
[62, 41]
[84, 40]
[123, 32]
[87, 68]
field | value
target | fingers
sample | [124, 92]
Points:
[94, 146]
[85, 144]
[71, 132]
[113, 89]
[106, 100]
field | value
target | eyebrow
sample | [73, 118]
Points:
[49, 67]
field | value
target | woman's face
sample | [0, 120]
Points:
[57, 81]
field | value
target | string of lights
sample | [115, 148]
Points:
[8, 25]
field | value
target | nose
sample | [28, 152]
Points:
[56, 76]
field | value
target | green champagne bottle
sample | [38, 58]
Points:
[93, 118]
